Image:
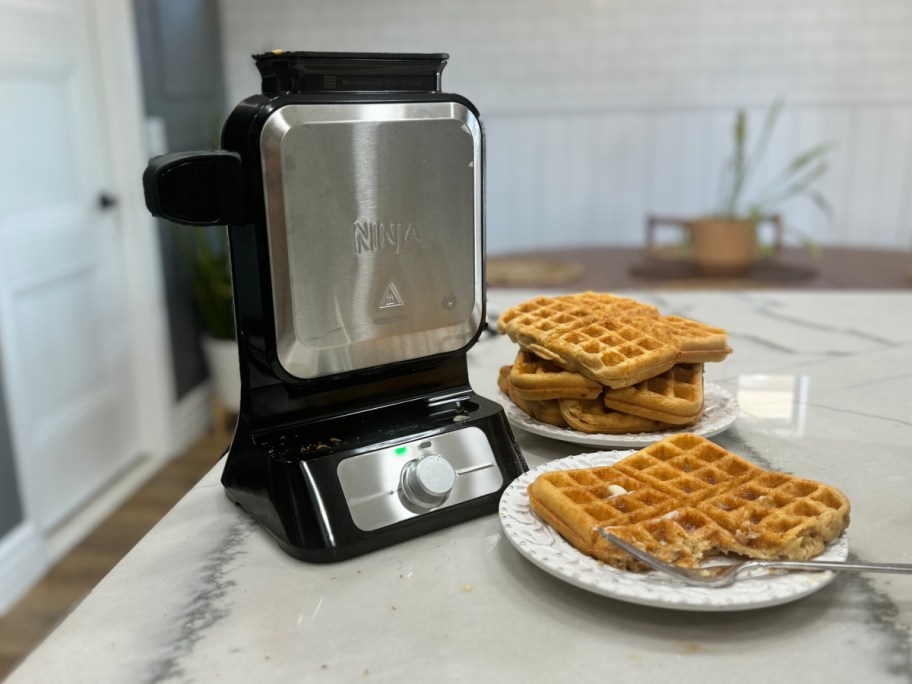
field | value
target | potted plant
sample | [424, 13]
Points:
[725, 242]
[206, 253]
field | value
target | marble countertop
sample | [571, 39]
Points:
[207, 595]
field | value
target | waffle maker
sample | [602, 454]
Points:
[352, 189]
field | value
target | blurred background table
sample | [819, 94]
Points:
[622, 268]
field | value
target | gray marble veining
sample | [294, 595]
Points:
[209, 603]
[208, 596]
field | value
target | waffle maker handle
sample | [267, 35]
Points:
[196, 188]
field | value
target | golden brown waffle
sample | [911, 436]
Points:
[592, 416]
[503, 383]
[696, 342]
[545, 411]
[685, 499]
[561, 398]
[616, 341]
[611, 351]
[609, 303]
[536, 379]
[531, 323]
[548, 412]
[675, 396]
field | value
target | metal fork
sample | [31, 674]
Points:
[724, 575]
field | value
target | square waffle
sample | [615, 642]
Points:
[534, 378]
[675, 396]
[564, 399]
[696, 342]
[684, 499]
[608, 303]
[543, 410]
[592, 416]
[531, 323]
[612, 351]
[615, 341]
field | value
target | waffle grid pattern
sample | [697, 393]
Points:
[613, 340]
[675, 396]
[687, 498]
[534, 378]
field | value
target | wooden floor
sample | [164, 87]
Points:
[71, 579]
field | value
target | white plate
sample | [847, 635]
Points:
[720, 410]
[544, 547]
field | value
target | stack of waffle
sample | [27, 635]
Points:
[684, 499]
[599, 363]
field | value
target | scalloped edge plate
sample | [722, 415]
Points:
[720, 411]
[543, 546]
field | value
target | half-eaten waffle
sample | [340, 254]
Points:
[684, 499]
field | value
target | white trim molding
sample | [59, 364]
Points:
[23, 560]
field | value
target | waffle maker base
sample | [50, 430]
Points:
[288, 479]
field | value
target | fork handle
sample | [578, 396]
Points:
[832, 565]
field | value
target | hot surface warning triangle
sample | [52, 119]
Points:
[391, 298]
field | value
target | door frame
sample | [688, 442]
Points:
[116, 54]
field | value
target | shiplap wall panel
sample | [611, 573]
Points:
[601, 112]
[902, 179]
[622, 206]
[595, 178]
[836, 125]
[896, 176]
[809, 130]
[863, 200]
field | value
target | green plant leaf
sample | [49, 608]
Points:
[725, 177]
[205, 251]
[755, 213]
[795, 167]
[821, 203]
[797, 187]
[794, 179]
[738, 168]
[766, 132]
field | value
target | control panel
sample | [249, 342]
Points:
[399, 482]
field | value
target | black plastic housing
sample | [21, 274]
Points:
[307, 72]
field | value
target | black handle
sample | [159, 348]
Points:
[196, 188]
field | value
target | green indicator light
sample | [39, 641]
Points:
[401, 450]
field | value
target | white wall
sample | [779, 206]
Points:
[599, 112]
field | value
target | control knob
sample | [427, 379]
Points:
[425, 483]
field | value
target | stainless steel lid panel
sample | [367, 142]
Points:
[374, 220]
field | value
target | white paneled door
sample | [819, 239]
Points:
[64, 336]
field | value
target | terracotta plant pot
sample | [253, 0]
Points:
[724, 247]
